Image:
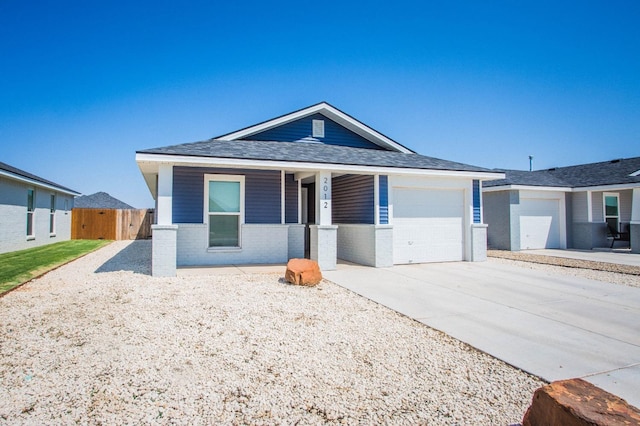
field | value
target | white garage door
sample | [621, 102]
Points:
[427, 225]
[539, 223]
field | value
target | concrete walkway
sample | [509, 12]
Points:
[554, 327]
[607, 256]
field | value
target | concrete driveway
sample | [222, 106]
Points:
[555, 327]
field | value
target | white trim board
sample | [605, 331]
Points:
[525, 188]
[292, 166]
[614, 187]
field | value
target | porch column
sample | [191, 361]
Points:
[282, 197]
[164, 242]
[478, 252]
[324, 235]
[634, 226]
[376, 199]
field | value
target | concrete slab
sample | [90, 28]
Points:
[619, 382]
[555, 327]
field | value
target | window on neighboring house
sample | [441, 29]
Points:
[612, 211]
[52, 215]
[224, 199]
[30, 210]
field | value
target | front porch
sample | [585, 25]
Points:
[284, 214]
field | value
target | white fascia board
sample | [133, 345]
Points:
[271, 123]
[636, 173]
[526, 188]
[37, 183]
[332, 113]
[607, 187]
[303, 166]
[363, 130]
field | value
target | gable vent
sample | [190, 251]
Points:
[318, 129]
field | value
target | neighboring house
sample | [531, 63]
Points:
[248, 196]
[33, 211]
[565, 207]
[100, 200]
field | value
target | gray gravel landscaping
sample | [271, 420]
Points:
[600, 271]
[99, 341]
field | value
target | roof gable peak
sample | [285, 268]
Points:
[329, 111]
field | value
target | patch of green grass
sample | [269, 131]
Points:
[18, 267]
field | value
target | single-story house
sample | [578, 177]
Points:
[315, 182]
[100, 200]
[579, 207]
[34, 211]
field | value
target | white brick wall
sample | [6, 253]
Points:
[260, 244]
[324, 246]
[478, 242]
[164, 245]
[296, 241]
[369, 245]
[384, 246]
[13, 216]
[356, 243]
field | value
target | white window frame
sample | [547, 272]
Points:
[52, 214]
[604, 207]
[31, 215]
[223, 178]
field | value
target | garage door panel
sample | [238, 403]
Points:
[539, 223]
[428, 225]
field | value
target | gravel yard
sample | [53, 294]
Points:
[599, 271]
[99, 341]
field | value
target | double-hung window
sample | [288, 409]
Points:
[31, 195]
[52, 215]
[612, 210]
[224, 209]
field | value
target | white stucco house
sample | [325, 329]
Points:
[315, 182]
[33, 211]
[580, 207]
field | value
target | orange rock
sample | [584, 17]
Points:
[576, 402]
[303, 272]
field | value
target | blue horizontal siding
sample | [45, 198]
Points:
[262, 194]
[383, 188]
[476, 201]
[290, 200]
[352, 199]
[301, 130]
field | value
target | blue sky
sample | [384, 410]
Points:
[85, 84]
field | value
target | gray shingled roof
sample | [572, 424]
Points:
[310, 153]
[100, 200]
[614, 172]
[27, 175]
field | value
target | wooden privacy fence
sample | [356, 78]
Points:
[111, 224]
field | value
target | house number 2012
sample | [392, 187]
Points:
[325, 192]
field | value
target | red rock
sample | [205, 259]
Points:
[303, 272]
[576, 402]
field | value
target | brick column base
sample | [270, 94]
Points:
[324, 246]
[164, 250]
[478, 242]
